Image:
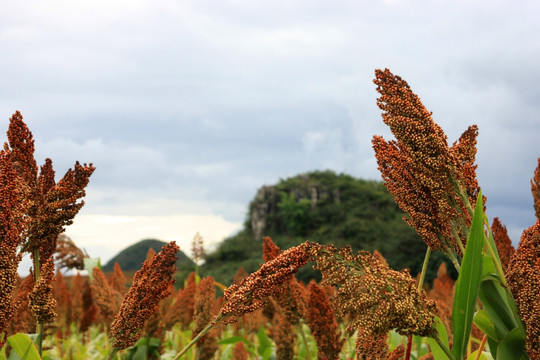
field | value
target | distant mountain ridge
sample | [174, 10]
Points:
[132, 257]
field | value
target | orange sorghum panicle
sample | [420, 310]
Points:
[322, 323]
[377, 298]
[270, 249]
[293, 296]
[41, 298]
[443, 294]
[535, 188]
[49, 206]
[240, 352]
[430, 181]
[185, 302]
[64, 303]
[106, 298]
[205, 298]
[371, 346]
[150, 285]
[503, 242]
[284, 336]
[68, 255]
[24, 322]
[118, 280]
[523, 275]
[252, 293]
[21, 141]
[11, 228]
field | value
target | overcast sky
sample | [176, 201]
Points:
[186, 108]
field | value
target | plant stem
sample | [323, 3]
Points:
[481, 348]
[424, 269]
[303, 335]
[409, 347]
[420, 286]
[39, 331]
[112, 353]
[444, 348]
[39, 324]
[196, 338]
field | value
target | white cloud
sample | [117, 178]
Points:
[105, 235]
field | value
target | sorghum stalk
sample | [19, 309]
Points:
[304, 340]
[252, 292]
[196, 338]
[420, 286]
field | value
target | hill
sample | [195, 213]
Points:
[132, 257]
[327, 208]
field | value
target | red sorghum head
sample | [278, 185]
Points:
[150, 285]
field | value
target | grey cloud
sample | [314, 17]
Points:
[202, 103]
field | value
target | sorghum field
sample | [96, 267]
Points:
[362, 309]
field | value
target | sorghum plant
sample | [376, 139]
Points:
[435, 185]
[41, 298]
[106, 298]
[254, 291]
[68, 255]
[524, 279]
[322, 323]
[535, 188]
[117, 280]
[150, 285]
[47, 206]
[205, 298]
[377, 298]
[503, 242]
[432, 182]
[11, 227]
[284, 337]
[293, 296]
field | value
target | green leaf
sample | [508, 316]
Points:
[494, 301]
[264, 342]
[512, 346]
[90, 264]
[484, 323]
[468, 283]
[438, 353]
[483, 356]
[23, 347]
[234, 340]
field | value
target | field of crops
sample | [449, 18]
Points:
[362, 309]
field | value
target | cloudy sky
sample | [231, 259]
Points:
[186, 108]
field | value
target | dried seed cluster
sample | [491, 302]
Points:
[523, 275]
[430, 181]
[11, 227]
[150, 285]
[41, 298]
[503, 242]
[377, 298]
[535, 188]
[252, 293]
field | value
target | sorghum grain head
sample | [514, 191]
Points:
[150, 285]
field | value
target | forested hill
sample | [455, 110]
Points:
[132, 257]
[324, 207]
